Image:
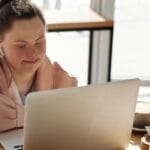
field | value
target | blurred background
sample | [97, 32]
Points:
[131, 43]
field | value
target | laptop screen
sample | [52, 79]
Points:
[90, 117]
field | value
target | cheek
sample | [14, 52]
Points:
[42, 51]
[13, 61]
[12, 57]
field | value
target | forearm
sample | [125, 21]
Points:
[11, 114]
[44, 79]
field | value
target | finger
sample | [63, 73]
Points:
[6, 70]
[3, 83]
[5, 65]
[1, 71]
[74, 81]
[2, 76]
[1, 53]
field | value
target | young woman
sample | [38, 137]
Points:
[24, 66]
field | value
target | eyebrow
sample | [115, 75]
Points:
[23, 41]
[40, 38]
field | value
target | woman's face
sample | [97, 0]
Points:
[24, 45]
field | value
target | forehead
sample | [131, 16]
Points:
[25, 29]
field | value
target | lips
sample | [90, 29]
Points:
[31, 61]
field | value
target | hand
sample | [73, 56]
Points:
[61, 78]
[44, 79]
[5, 77]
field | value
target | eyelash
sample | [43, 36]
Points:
[37, 43]
[22, 46]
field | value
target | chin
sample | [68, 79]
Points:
[31, 68]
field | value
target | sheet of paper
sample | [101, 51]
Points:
[12, 140]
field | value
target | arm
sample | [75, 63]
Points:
[44, 79]
[11, 113]
[51, 76]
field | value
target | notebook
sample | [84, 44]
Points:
[93, 117]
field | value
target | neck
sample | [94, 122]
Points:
[23, 81]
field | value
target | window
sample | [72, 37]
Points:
[131, 50]
[62, 4]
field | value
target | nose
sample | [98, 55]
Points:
[31, 53]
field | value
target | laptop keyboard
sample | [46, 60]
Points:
[18, 147]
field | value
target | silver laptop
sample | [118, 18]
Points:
[94, 117]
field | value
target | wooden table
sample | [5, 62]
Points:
[80, 20]
[134, 141]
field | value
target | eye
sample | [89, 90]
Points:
[37, 43]
[21, 46]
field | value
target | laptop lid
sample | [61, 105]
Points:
[92, 117]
